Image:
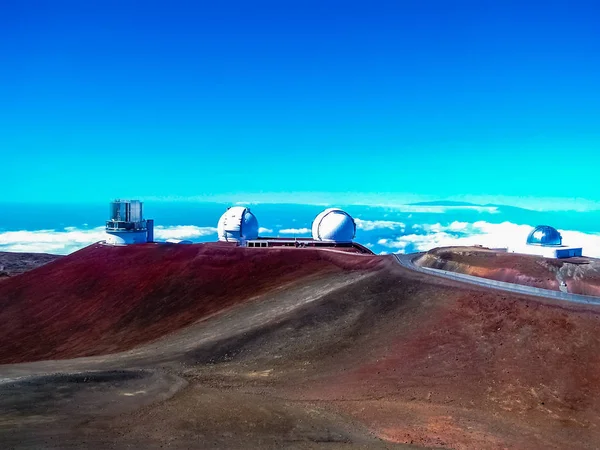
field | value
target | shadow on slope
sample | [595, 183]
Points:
[428, 361]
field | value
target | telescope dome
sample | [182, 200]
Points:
[237, 224]
[334, 225]
[544, 235]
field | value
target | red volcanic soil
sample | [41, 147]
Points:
[384, 353]
[429, 362]
[582, 275]
[105, 299]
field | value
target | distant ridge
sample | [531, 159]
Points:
[446, 203]
[450, 203]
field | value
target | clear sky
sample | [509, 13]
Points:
[218, 99]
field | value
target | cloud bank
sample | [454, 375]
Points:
[295, 231]
[503, 235]
[370, 225]
[71, 239]
[387, 236]
[183, 232]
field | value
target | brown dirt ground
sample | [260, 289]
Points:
[582, 275]
[12, 264]
[363, 354]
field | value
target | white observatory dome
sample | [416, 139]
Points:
[237, 224]
[334, 225]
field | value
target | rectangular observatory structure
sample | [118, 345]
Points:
[126, 224]
[124, 212]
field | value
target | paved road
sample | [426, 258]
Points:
[407, 261]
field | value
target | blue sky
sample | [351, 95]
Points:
[301, 100]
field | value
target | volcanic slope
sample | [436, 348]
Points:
[581, 275]
[105, 299]
[358, 351]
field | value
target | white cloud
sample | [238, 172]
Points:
[458, 226]
[71, 239]
[182, 232]
[262, 230]
[370, 225]
[49, 241]
[589, 242]
[462, 233]
[433, 228]
[487, 234]
[295, 231]
[391, 243]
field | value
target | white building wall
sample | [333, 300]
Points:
[548, 252]
[126, 237]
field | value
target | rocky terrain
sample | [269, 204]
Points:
[574, 275]
[12, 264]
[210, 346]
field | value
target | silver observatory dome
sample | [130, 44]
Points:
[237, 224]
[544, 235]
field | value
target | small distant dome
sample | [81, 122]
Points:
[237, 224]
[334, 225]
[544, 235]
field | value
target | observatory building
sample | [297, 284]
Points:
[546, 241]
[544, 236]
[238, 224]
[126, 224]
[334, 225]
[332, 228]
